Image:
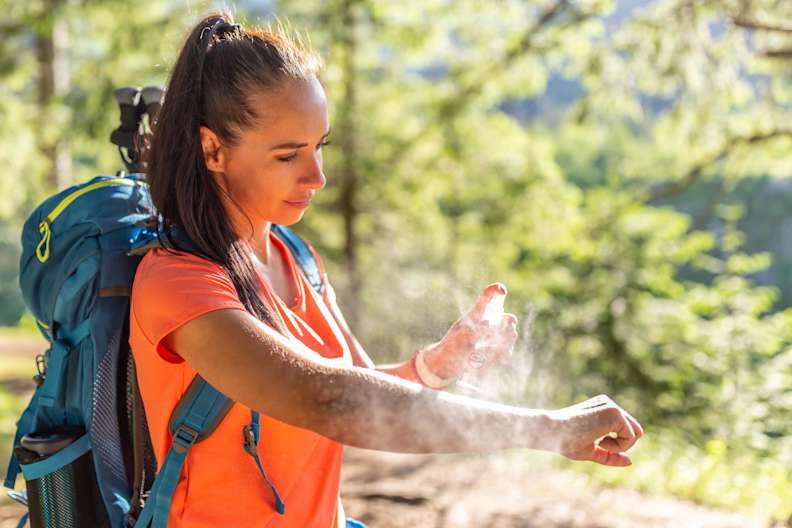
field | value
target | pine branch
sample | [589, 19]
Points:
[524, 45]
[747, 23]
[454, 104]
[784, 53]
[675, 188]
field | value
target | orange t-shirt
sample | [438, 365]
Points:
[220, 484]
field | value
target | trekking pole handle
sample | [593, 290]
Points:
[152, 98]
[127, 95]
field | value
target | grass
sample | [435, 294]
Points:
[712, 474]
[18, 347]
[26, 327]
[11, 405]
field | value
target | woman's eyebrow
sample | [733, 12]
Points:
[296, 145]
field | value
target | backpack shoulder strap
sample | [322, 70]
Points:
[195, 390]
[198, 413]
[200, 410]
[303, 255]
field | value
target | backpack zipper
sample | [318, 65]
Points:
[42, 250]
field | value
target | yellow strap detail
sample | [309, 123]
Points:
[43, 248]
[88, 188]
[46, 234]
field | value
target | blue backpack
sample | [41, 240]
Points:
[82, 443]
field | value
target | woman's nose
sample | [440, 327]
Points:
[315, 178]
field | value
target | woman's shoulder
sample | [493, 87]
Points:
[162, 272]
[171, 288]
[161, 261]
[171, 285]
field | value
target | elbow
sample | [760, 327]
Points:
[330, 408]
[355, 411]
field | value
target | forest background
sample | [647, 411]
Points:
[623, 166]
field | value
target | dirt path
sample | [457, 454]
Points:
[13, 347]
[502, 491]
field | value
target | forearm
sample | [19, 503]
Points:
[364, 408]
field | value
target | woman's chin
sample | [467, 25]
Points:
[289, 219]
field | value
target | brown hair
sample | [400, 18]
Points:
[220, 68]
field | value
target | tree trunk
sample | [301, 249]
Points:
[350, 180]
[53, 84]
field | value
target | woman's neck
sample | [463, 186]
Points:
[258, 239]
[261, 243]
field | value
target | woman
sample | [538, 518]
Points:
[238, 147]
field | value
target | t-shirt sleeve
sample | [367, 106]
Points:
[171, 289]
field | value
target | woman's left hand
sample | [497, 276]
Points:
[450, 357]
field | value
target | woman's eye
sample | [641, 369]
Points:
[293, 155]
[288, 158]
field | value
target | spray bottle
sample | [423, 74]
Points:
[492, 317]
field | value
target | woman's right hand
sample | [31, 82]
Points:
[472, 334]
[596, 430]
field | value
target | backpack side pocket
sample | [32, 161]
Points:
[60, 480]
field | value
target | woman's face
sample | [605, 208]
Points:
[276, 167]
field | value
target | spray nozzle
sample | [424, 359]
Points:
[493, 313]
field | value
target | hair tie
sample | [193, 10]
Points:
[219, 28]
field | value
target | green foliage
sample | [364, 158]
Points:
[714, 473]
[624, 214]
[11, 305]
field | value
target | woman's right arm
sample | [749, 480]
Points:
[255, 365]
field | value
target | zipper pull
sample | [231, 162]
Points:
[41, 369]
[46, 235]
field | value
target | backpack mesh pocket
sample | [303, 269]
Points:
[62, 490]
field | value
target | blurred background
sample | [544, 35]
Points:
[623, 166]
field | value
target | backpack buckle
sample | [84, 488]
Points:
[183, 439]
[249, 441]
[41, 369]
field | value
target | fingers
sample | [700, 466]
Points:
[503, 338]
[622, 426]
[486, 296]
[509, 323]
[611, 444]
[600, 416]
[636, 426]
[507, 337]
[609, 458]
[616, 445]
[610, 451]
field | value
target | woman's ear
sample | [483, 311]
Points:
[213, 151]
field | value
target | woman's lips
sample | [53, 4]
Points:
[303, 204]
